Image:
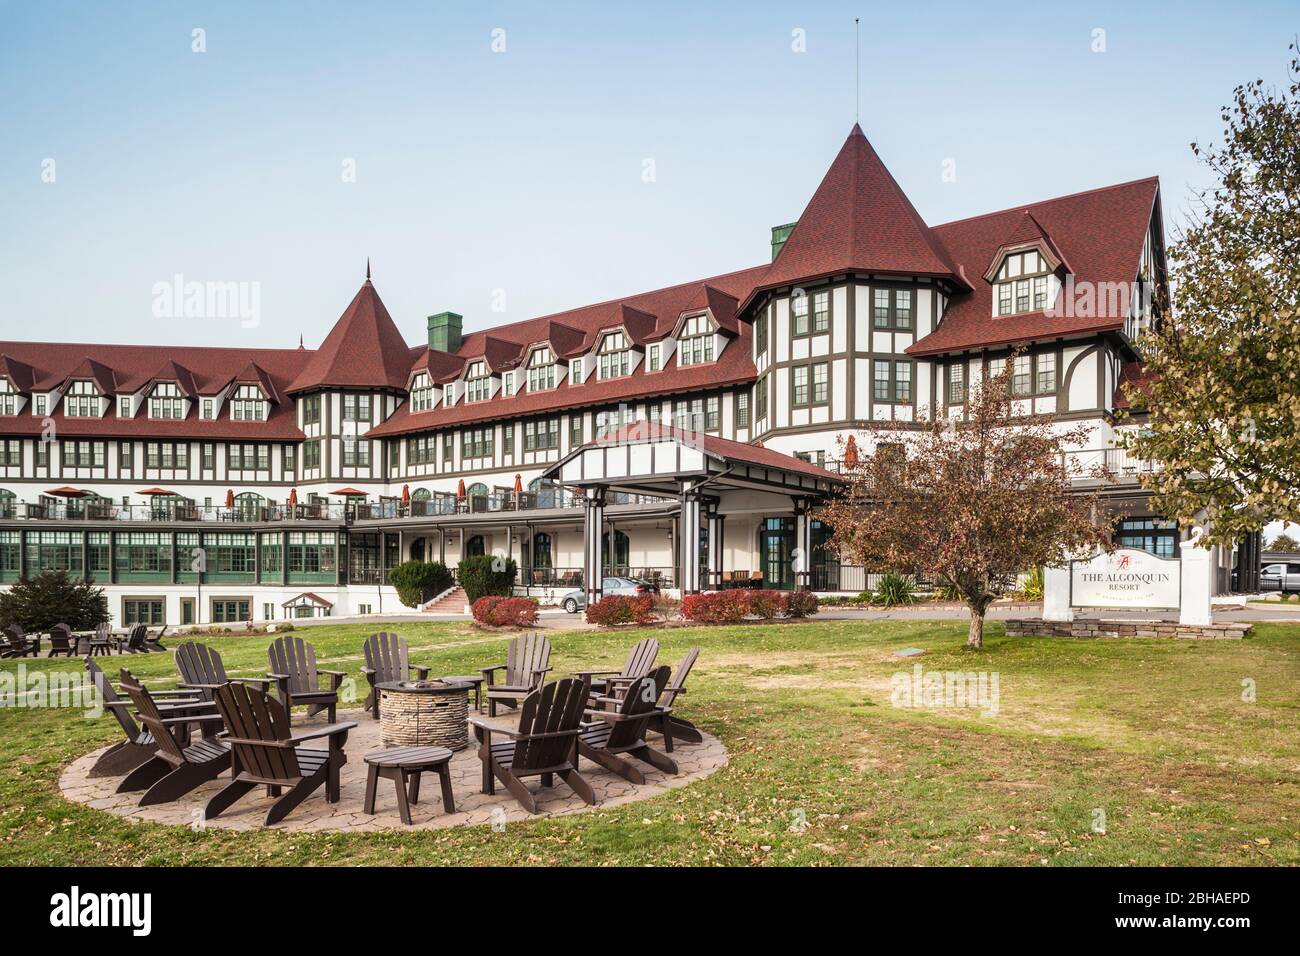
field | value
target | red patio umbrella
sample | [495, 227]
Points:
[155, 492]
[851, 452]
[406, 496]
[230, 497]
[66, 492]
[293, 497]
[519, 485]
[460, 488]
[349, 493]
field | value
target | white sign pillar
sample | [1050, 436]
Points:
[1198, 582]
[1056, 594]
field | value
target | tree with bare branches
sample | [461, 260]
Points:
[976, 501]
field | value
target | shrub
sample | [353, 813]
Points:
[621, 609]
[51, 597]
[716, 607]
[767, 604]
[418, 581]
[945, 590]
[1032, 589]
[484, 574]
[666, 608]
[500, 611]
[895, 589]
[801, 604]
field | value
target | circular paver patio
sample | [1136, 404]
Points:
[694, 762]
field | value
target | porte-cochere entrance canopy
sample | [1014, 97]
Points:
[711, 477]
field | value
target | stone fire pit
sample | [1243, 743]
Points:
[424, 713]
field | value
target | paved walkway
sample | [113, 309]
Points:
[694, 762]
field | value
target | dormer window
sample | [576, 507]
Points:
[541, 370]
[249, 404]
[1022, 284]
[478, 384]
[165, 401]
[8, 398]
[508, 384]
[123, 407]
[575, 371]
[421, 393]
[696, 346]
[615, 357]
[82, 400]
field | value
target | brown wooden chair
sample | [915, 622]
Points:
[60, 641]
[139, 746]
[134, 642]
[639, 661]
[387, 659]
[153, 642]
[543, 746]
[663, 720]
[18, 643]
[202, 670]
[293, 667]
[616, 735]
[178, 766]
[265, 752]
[527, 661]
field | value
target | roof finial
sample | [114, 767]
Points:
[300, 345]
[367, 268]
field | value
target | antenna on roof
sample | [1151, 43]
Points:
[857, 71]
[300, 345]
[367, 268]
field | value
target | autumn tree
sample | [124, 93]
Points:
[976, 501]
[1221, 389]
[1284, 542]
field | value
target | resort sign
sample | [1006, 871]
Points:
[1125, 578]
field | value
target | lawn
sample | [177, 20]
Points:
[824, 769]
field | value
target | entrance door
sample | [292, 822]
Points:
[775, 545]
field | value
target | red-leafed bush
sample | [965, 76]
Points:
[505, 611]
[621, 609]
[716, 607]
[801, 604]
[768, 604]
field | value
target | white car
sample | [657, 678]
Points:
[575, 601]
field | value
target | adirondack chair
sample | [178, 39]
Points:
[60, 641]
[663, 720]
[616, 735]
[293, 667]
[125, 755]
[266, 753]
[543, 746]
[387, 659]
[18, 644]
[154, 642]
[639, 661]
[178, 766]
[202, 670]
[527, 661]
[134, 642]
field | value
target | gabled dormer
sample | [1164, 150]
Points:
[167, 395]
[1027, 271]
[15, 385]
[702, 330]
[87, 391]
[542, 369]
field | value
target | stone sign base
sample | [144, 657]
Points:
[1036, 627]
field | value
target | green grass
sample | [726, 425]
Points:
[1154, 733]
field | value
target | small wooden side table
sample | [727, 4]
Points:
[403, 766]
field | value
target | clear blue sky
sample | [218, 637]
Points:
[522, 170]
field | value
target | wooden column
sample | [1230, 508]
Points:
[593, 536]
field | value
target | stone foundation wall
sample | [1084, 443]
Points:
[1036, 627]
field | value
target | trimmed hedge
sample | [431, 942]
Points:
[418, 581]
[505, 611]
[734, 605]
[621, 609]
[484, 574]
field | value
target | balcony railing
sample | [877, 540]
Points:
[1108, 464]
[103, 510]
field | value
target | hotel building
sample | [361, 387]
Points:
[203, 485]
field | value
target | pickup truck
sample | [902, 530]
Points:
[1277, 576]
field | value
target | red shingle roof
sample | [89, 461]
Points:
[1099, 234]
[859, 219]
[364, 349]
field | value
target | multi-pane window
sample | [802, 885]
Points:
[421, 451]
[448, 450]
[356, 453]
[760, 399]
[712, 413]
[821, 311]
[956, 384]
[892, 308]
[1045, 373]
[249, 404]
[652, 358]
[208, 459]
[123, 407]
[696, 345]
[83, 454]
[356, 408]
[508, 384]
[799, 312]
[143, 556]
[541, 435]
[820, 383]
[311, 453]
[742, 409]
[248, 457]
[8, 398]
[38, 405]
[289, 454]
[225, 611]
[1023, 283]
[541, 370]
[760, 331]
[165, 401]
[575, 372]
[508, 438]
[476, 443]
[1033, 375]
[207, 409]
[575, 429]
[609, 422]
[82, 400]
[615, 356]
[137, 611]
[478, 383]
[1022, 375]
[310, 556]
[810, 384]
[799, 383]
[421, 393]
[11, 452]
[311, 410]
[891, 381]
